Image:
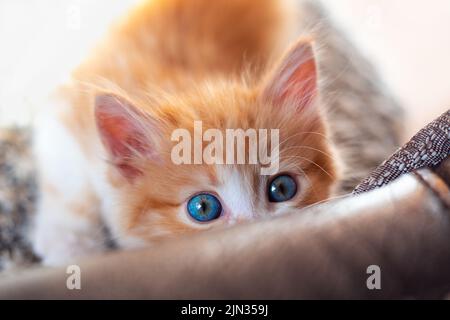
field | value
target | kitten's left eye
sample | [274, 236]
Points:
[282, 188]
[204, 207]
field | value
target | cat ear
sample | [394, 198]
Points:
[124, 131]
[294, 80]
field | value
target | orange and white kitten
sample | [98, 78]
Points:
[104, 146]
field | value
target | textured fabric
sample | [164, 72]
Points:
[17, 197]
[428, 148]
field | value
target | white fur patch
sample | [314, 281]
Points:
[60, 235]
[58, 155]
[236, 194]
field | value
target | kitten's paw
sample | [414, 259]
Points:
[59, 244]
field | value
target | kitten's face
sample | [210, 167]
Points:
[159, 198]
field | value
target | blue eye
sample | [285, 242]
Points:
[282, 188]
[204, 207]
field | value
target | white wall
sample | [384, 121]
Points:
[42, 40]
[410, 42]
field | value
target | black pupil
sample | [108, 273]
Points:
[203, 206]
[281, 188]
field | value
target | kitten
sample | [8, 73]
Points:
[104, 147]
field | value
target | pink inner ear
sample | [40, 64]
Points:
[121, 131]
[295, 79]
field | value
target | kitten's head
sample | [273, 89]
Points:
[158, 197]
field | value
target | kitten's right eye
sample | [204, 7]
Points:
[282, 188]
[204, 207]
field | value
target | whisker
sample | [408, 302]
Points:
[326, 200]
[305, 132]
[312, 162]
[304, 174]
[310, 148]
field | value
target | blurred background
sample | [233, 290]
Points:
[408, 40]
